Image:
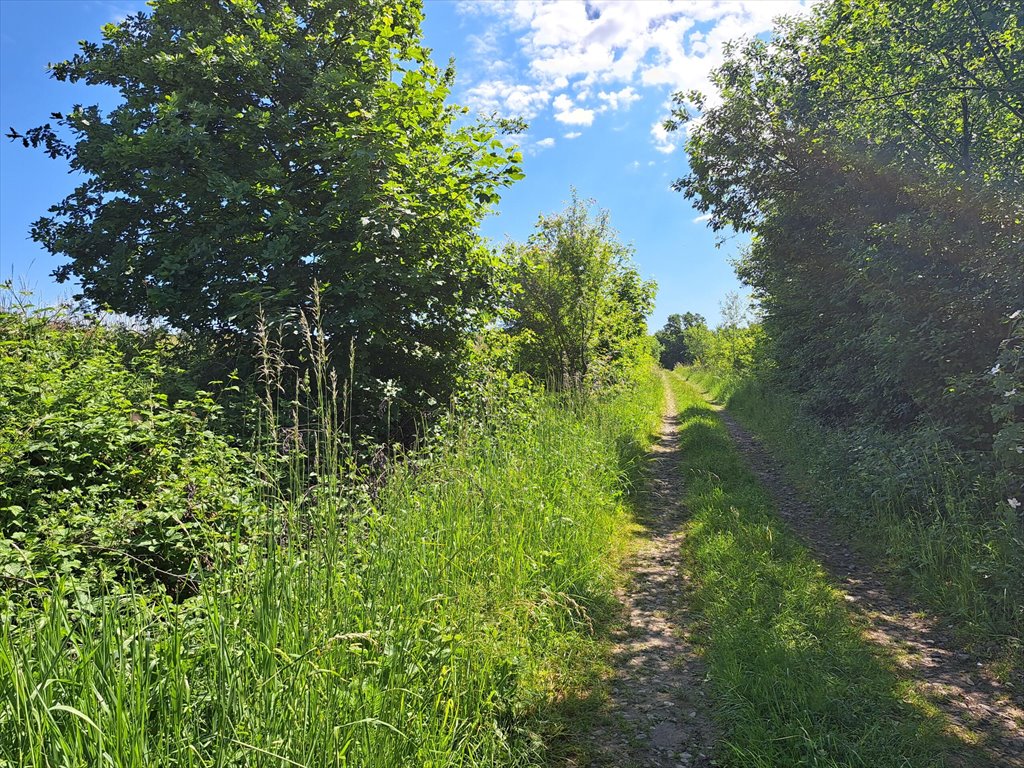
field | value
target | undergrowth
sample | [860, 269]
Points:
[102, 477]
[431, 612]
[794, 682]
[913, 503]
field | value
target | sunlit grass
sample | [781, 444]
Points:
[433, 621]
[794, 682]
[936, 531]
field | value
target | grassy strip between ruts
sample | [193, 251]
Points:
[794, 682]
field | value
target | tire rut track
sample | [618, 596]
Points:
[656, 715]
[979, 709]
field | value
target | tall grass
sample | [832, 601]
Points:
[429, 618]
[795, 683]
[924, 512]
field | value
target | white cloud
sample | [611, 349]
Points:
[619, 39]
[566, 112]
[617, 99]
[484, 44]
[510, 140]
[608, 51]
[572, 135]
[546, 143]
[508, 99]
[702, 218]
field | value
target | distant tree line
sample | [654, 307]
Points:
[672, 338]
[734, 346]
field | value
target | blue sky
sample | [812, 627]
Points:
[592, 77]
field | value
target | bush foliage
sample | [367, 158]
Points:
[875, 151]
[578, 306]
[429, 610]
[102, 478]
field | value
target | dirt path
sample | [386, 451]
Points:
[657, 714]
[979, 709]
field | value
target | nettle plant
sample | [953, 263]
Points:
[1008, 410]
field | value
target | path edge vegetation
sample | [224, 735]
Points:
[793, 680]
[278, 587]
[448, 611]
[939, 546]
[266, 584]
[873, 151]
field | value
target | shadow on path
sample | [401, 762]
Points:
[978, 709]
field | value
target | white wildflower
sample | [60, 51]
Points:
[1010, 392]
[391, 388]
[1014, 504]
[995, 369]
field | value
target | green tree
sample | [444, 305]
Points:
[672, 337]
[264, 148]
[875, 151]
[578, 298]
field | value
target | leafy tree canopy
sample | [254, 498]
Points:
[674, 350]
[263, 148]
[875, 149]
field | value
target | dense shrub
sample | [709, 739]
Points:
[434, 614]
[101, 477]
[1007, 382]
[729, 349]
